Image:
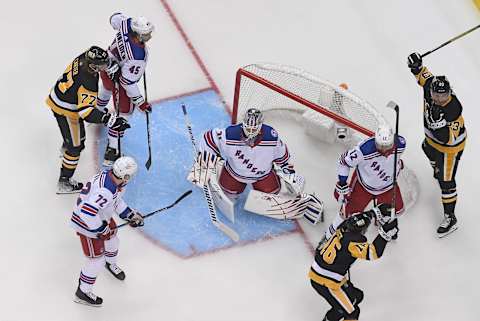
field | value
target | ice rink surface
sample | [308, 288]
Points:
[362, 43]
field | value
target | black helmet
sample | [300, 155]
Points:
[357, 223]
[97, 58]
[440, 85]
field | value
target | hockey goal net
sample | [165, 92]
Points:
[330, 113]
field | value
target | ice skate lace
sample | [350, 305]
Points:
[446, 222]
[115, 269]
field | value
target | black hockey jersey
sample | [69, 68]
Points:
[335, 257]
[75, 92]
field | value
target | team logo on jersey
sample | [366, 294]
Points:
[274, 133]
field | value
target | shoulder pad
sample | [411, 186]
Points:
[401, 142]
[268, 133]
[107, 182]
[368, 146]
[233, 132]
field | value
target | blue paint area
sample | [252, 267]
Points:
[185, 229]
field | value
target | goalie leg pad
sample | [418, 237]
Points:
[282, 208]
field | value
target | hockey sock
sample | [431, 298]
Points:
[69, 164]
[89, 273]
[103, 96]
[113, 138]
[333, 227]
[111, 250]
[449, 200]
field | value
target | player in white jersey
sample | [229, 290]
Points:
[372, 179]
[129, 51]
[93, 221]
[254, 154]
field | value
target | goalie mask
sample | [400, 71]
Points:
[384, 138]
[124, 168]
[440, 90]
[357, 223]
[252, 123]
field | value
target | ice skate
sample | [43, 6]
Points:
[87, 298]
[67, 185]
[448, 225]
[111, 155]
[115, 270]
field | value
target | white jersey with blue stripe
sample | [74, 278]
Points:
[129, 54]
[247, 164]
[98, 201]
[374, 171]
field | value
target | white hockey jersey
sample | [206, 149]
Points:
[374, 171]
[97, 202]
[247, 164]
[130, 55]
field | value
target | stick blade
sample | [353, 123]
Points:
[392, 105]
[148, 163]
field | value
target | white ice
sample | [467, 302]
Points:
[362, 43]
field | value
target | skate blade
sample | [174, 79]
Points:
[67, 192]
[80, 301]
[453, 229]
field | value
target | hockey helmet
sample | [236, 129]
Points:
[97, 58]
[125, 168]
[252, 123]
[142, 28]
[357, 223]
[384, 138]
[440, 90]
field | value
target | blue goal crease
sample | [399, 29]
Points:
[185, 229]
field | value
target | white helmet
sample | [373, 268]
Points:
[125, 168]
[384, 137]
[142, 27]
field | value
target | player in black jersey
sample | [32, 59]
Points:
[328, 273]
[73, 100]
[445, 135]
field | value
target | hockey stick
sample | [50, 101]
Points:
[393, 105]
[206, 189]
[149, 160]
[161, 209]
[116, 102]
[450, 41]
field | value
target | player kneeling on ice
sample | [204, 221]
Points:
[93, 221]
[328, 273]
[252, 153]
[372, 179]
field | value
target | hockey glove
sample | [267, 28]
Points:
[294, 182]
[381, 213]
[415, 62]
[114, 122]
[389, 230]
[105, 231]
[342, 191]
[135, 219]
[113, 71]
[140, 103]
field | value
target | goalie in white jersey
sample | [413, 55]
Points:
[254, 154]
[129, 52]
[93, 221]
[372, 178]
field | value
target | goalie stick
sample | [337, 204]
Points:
[161, 209]
[206, 189]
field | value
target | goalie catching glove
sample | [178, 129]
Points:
[294, 182]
